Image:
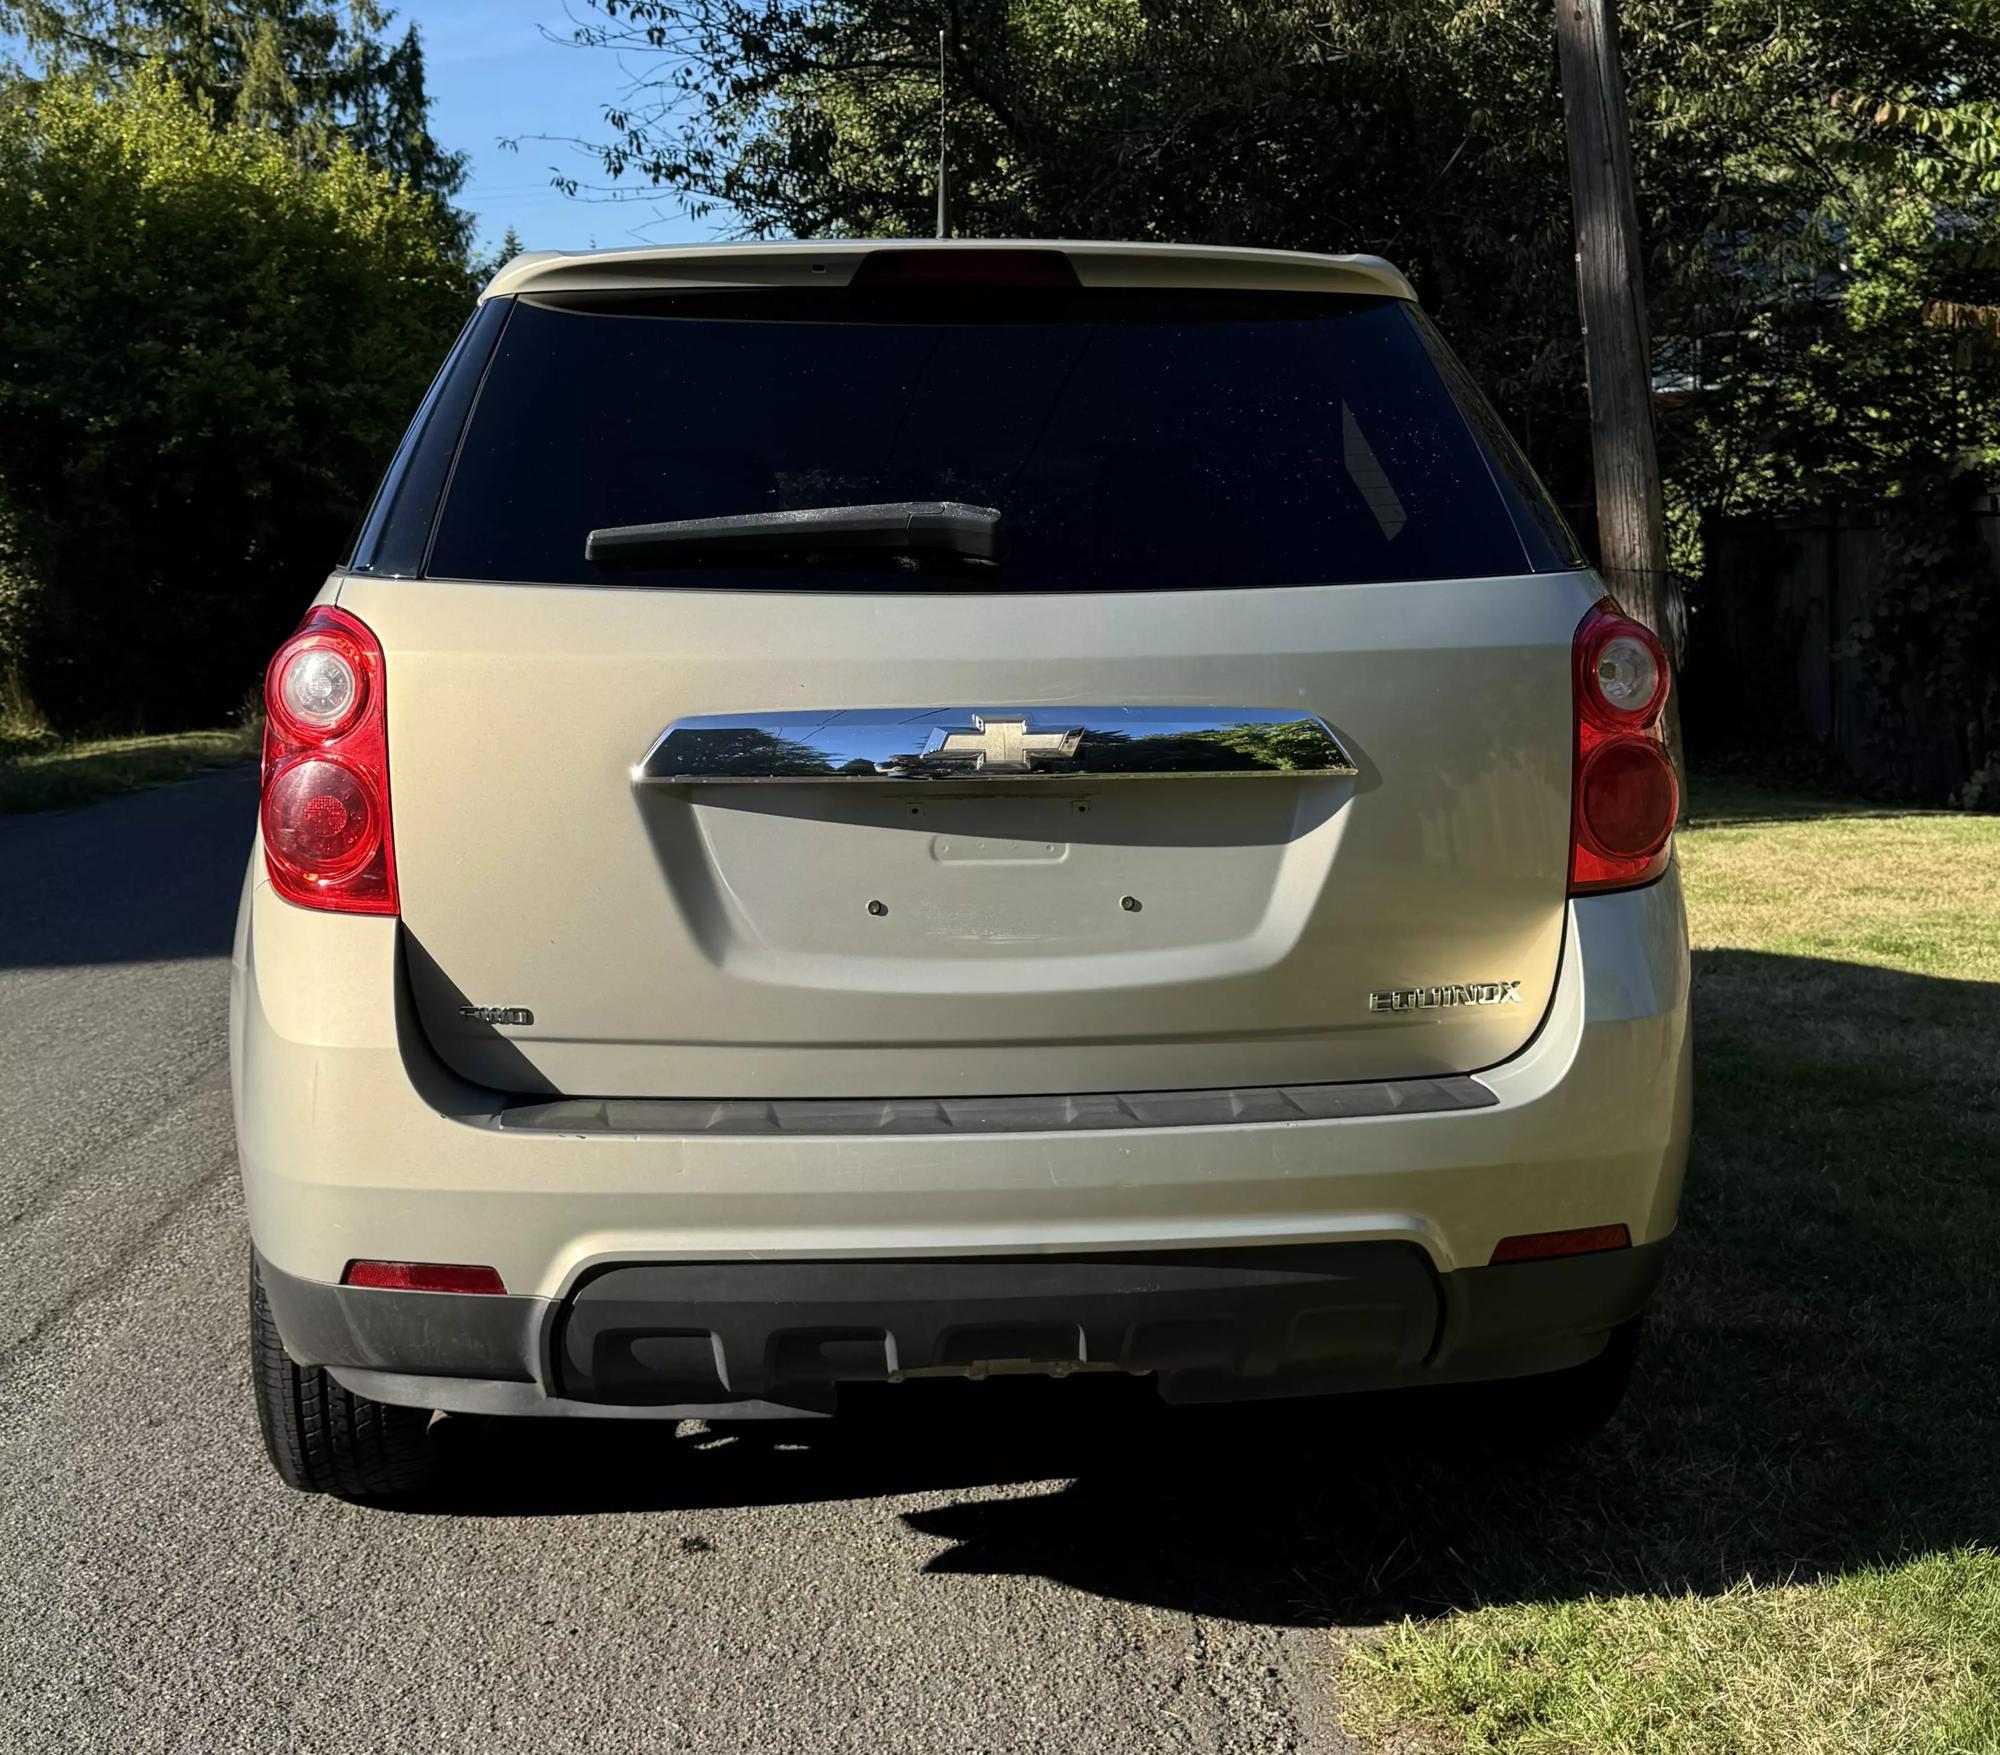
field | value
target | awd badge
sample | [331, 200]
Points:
[496, 1014]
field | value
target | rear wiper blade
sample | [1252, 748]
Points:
[940, 527]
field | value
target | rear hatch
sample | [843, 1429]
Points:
[1261, 715]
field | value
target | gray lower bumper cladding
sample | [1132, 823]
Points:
[745, 1339]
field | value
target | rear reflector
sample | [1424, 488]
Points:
[1544, 1245]
[421, 1276]
[968, 268]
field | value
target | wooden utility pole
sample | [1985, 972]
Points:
[1611, 292]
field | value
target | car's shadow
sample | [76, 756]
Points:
[1820, 1388]
[1224, 1510]
[150, 877]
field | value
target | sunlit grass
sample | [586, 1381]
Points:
[1892, 1658]
[1785, 1542]
[41, 772]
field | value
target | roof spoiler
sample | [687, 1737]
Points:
[691, 267]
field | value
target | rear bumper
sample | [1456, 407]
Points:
[761, 1338]
[355, 1142]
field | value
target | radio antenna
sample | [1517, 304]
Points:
[943, 212]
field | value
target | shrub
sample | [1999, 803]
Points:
[209, 350]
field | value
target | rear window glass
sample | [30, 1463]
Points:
[1130, 440]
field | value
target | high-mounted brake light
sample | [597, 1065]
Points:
[965, 268]
[325, 813]
[422, 1276]
[1623, 795]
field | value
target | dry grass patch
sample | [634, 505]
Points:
[1916, 890]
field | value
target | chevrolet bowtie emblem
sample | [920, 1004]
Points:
[1000, 746]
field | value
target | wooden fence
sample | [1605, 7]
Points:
[1782, 599]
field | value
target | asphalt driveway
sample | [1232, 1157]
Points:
[946, 1567]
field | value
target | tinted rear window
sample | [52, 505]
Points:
[1130, 440]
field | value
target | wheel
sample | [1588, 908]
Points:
[322, 1438]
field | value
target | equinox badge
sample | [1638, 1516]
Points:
[1424, 999]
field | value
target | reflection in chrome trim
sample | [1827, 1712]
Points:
[994, 743]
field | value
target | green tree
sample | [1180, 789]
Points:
[212, 347]
[1430, 131]
[510, 246]
[315, 72]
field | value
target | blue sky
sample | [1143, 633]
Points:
[492, 73]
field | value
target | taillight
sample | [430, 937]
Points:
[327, 840]
[1623, 796]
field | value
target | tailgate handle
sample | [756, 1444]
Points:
[993, 743]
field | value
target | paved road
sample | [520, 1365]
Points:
[1043, 1566]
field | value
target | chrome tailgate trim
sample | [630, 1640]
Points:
[994, 743]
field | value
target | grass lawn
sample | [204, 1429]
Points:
[1787, 1542]
[46, 773]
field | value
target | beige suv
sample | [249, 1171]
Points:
[870, 811]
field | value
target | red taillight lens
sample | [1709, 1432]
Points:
[327, 841]
[422, 1276]
[319, 813]
[1624, 798]
[1548, 1245]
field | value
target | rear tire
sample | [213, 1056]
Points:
[322, 1438]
